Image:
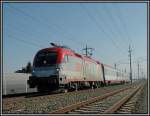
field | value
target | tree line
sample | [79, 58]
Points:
[26, 69]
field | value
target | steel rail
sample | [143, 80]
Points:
[34, 94]
[120, 103]
[84, 103]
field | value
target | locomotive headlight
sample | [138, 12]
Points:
[57, 69]
[33, 72]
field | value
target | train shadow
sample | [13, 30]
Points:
[41, 94]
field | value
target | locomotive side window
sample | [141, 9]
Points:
[65, 60]
[46, 59]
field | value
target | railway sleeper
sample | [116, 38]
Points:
[73, 112]
[128, 105]
[91, 107]
[95, 108]
[131, 102]
[87, 109]
[86, 112]
[127, 108]
[124, 110]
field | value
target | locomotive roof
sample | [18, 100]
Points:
[71, 52]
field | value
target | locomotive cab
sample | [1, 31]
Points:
[45, 72]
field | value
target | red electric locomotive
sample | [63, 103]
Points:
[60, 67]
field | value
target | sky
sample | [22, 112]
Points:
[109, 28]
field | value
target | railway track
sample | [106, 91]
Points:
[51, 102]
[30, 94]
[112, 102]
[129, 106]
[36, 94]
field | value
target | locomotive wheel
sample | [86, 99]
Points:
[44, 88]
[65, 90]
[41, 89]
[76, 86]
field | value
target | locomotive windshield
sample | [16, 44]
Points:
[46, 59]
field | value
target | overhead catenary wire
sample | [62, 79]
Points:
[100, 29]
[120, 17]
[27, 35]
[24, 41]
[127, 35]
[125, 63]
[140, 59]
[57, 28]
[110, 28]
[95, 21]
[52, 24]
[115, 24]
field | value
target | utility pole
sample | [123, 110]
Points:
[130, 63]
[138, 69]
[115, 66]
[142, 75]
[125, 70]
[88, 53]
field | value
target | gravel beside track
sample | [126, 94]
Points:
[48, 103]
[103, 105]
[130, 105]
[142, 102]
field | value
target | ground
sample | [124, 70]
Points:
[142, 104]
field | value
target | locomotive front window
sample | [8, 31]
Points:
[46, 59]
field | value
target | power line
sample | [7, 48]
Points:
[133, 61]
[123, 23]
[21, 32]
[48, 25]
[99, 25]
[114, 22]
[110, 27]
[33, 18]
[27, 42]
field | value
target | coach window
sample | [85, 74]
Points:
[65, 60]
